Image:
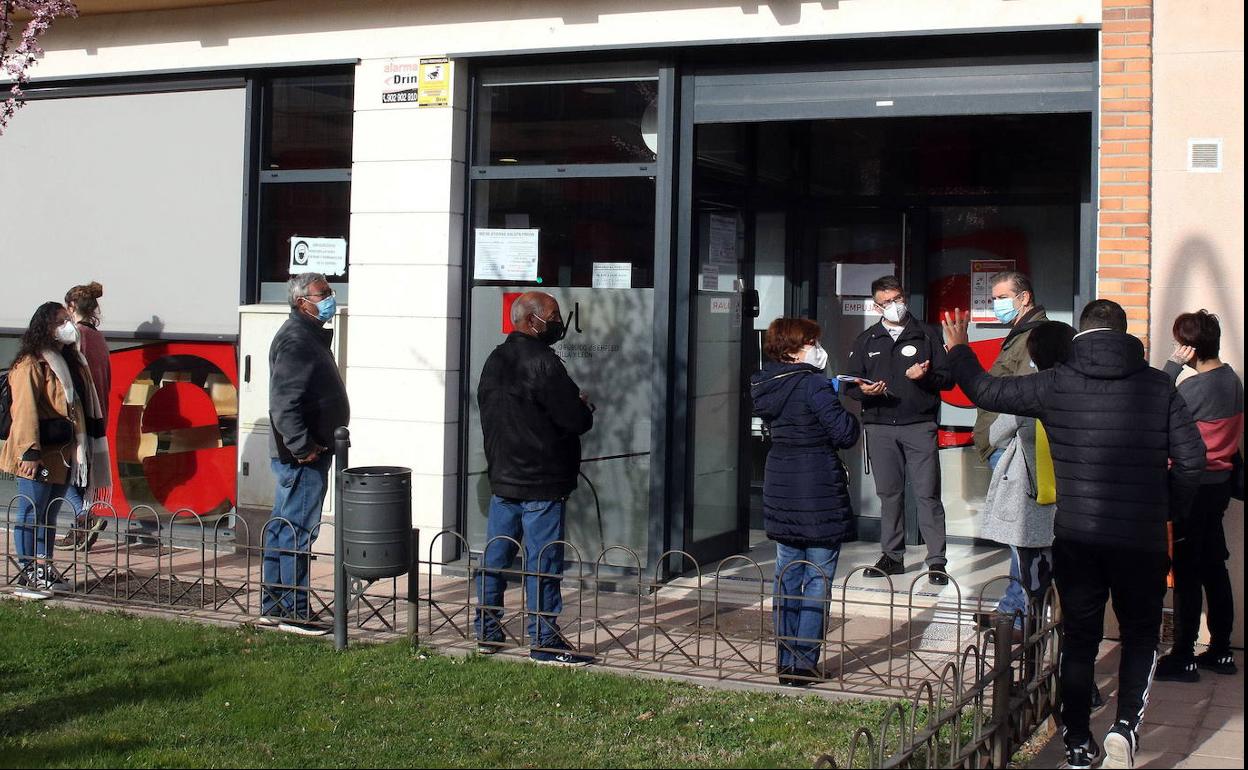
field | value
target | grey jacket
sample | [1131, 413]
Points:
[1011, 514]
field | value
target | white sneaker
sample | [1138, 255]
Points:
[1120, 746]
[302, 629]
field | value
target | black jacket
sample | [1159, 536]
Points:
[1126, 453]
[532, 417]
[307, 398]
[876, 356]
[805, 486]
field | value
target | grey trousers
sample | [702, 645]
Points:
[900, 453]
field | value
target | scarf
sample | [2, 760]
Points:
[91, 469]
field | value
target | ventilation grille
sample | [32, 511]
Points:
[1204, 155]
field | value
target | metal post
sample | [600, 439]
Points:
[1003, 632]
[413, 590]
[342, 442]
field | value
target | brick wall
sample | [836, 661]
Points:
[1125, 216]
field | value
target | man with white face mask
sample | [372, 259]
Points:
[904, 362]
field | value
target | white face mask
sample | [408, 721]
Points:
[67, 333]
[816, 356]
[896, 312]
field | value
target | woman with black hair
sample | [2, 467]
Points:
[56, 438]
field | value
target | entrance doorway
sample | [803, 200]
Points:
[797, 217]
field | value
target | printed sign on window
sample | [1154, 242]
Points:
[327, 256]
[982, 271]
[505, 255]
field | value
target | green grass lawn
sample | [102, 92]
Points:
[87, 689]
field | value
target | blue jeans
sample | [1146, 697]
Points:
[77, 502]
[801, 622]
[289, 533]
[540, 523]
[36, 518]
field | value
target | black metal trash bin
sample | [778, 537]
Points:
[376, 520]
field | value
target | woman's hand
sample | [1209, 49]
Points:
[28, 468]
[1183, 354]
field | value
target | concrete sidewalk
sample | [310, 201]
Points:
[1200, 724]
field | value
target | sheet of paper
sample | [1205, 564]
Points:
[613, 275]
[982, 271]
[327, 256]
[710, 278]
[505, 255]
[854, 280]
[723, 243]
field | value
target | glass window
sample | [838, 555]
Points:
[309, 122]
[589, 122]
[307, 127]
[308, 209]
[581, 222]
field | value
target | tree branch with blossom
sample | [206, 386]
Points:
[16, 60]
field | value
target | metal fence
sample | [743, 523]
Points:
[972, 693]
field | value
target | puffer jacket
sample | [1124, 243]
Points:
[1126, 452]
[532, 418]
[1012, 361]
[805, 486]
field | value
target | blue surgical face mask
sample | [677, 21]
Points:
[1004, 310]
[325, 308]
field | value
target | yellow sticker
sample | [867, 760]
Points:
[435, 82]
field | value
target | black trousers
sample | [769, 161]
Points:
[1200, 556]
[1135, 581]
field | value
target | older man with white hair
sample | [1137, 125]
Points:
[307, 403]
[532, 415]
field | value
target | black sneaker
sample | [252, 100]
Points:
[1217, 661]
[1121, 744]
[1176, 668]
[1082, 755]
[887, 565]
[558, 653]
[937, 576]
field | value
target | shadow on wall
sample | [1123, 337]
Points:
[1197, 257]
[216, 28]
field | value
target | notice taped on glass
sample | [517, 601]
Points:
[982, 271]
[505, 255]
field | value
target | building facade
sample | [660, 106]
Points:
[677, 175]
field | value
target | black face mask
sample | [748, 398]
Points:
[554, 331]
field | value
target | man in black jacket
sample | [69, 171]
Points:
[307, 403]
[1126, 456]
[905, 361]
[532, 415]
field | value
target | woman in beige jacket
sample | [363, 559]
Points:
[56, 438]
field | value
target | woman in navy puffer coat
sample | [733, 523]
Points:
[806, 506]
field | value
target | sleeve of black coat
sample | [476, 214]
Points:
[561, 398]
[1187, 457]
[837, 422]
[1023, 396]
[291, 374]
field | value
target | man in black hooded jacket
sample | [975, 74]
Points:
[1127, 456]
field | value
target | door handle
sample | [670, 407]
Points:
[247, 368]
[750, 299]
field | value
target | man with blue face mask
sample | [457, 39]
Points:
[1013, 303]
[307, 403]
